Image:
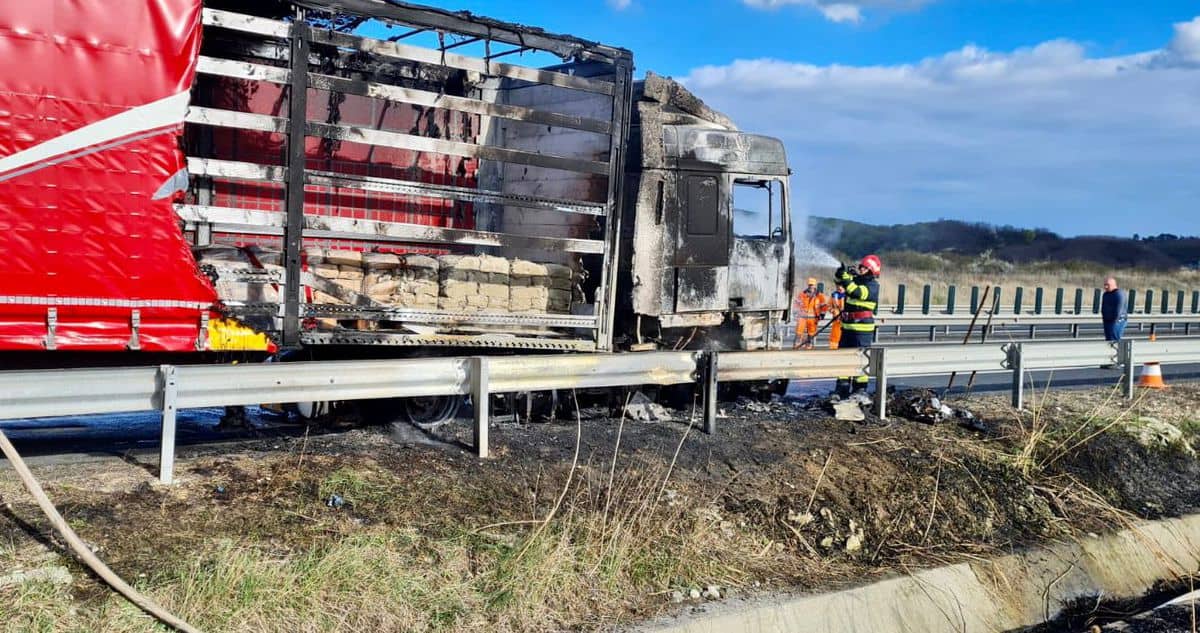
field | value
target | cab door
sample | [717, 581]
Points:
[762, 245]
[702, 248]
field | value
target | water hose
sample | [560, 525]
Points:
[81, 550]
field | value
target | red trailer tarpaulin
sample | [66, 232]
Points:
[92, 101]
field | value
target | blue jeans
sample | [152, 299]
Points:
[1113, 330]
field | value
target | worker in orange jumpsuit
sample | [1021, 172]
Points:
[837, 303]
[810, 308]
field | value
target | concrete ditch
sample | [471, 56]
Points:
[1008, 593]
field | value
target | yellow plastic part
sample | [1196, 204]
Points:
[227, 335]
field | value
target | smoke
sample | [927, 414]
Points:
[808, 253]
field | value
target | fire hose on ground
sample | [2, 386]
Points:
[81, 550]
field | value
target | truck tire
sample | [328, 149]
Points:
[429, 410]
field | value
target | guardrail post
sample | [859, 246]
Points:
[1016, 362]
[877, 361]
[1097, 296]
[1149, 302]
[1131, 301]
[974, 299]
[1079, 301]
[1058, 300]
[1017, 296]
[1195, 301]
[481, 401]
[1037, 300]
[900, 291]
[708, 379]
[1128, 368]
[950, 300]
[927, 296]
[1179, 302]
[1165, 303]
[166, 449]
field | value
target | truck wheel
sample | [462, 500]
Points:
[428, 410]
[311, 410]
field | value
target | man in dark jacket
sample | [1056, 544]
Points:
[1114, 310]
[858, 317]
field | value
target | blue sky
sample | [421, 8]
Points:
[1081, 117]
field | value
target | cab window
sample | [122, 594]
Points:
[756, 208]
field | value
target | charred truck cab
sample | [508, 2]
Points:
[707, 225]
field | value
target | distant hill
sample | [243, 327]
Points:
[1005, 243]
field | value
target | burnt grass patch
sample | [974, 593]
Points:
[556, 534]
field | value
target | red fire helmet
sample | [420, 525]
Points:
[873, 264]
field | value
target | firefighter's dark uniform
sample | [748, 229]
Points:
[858, 319]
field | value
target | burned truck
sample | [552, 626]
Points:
[369, 178]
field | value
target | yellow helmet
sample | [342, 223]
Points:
[812, 281]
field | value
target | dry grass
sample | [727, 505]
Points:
[617, 539]
[591, 547]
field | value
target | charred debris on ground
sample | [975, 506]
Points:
[588, 523]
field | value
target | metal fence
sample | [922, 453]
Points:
[168, 388]
[1038, 301]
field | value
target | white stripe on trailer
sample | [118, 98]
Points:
[124, 127]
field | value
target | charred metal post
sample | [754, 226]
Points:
[1079, 301]
[877, 364]
[166, 450]
[1126, 359]
[1017, 296]
[1038, 296]
[974, 299]
[606, 294]
[1164, 304]
[1179, 303]
[926, 296]
[900, 299]
[1149, 307]
[294, 224]
[480, 402]
[708, 380]
[1058, 301]
[1017, 365]
[950, 300]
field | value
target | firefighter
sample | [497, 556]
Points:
[837, 303]
[810, 309]
[858, 315]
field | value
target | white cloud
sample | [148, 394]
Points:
[841, 10]
[1040, 136]
[1185, 46]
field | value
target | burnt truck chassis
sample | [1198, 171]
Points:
[290, 50]
[647, 277]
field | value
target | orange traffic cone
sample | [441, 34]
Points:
[1151, 377]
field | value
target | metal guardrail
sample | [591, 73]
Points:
[166, 389]
[1010, 319]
